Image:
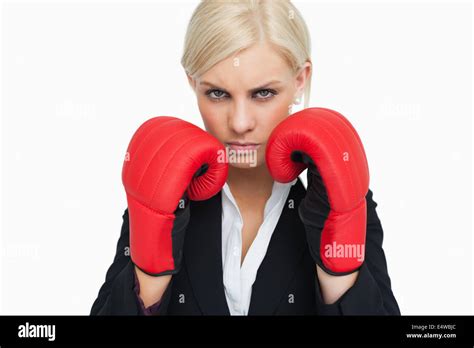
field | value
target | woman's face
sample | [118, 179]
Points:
[242, 98]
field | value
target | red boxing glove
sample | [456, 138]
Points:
[334, 209]
[167, 158]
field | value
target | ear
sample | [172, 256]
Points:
[192, 82]
[302, 77]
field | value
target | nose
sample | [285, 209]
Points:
[241, 119]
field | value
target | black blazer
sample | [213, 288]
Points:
[286, 282]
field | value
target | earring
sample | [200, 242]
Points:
[297, 100]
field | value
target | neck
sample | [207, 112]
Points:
[250, 184]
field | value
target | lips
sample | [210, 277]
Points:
[243, 146]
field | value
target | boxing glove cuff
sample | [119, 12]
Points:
[159, 254]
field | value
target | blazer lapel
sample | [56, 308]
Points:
[283, 254]
[203, 255]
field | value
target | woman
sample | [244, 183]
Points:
[244, 243]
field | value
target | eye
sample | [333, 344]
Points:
[216, 94]
[264, 94]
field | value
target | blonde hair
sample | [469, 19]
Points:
[219, 28]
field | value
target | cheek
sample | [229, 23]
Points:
[275, 113]
[212, 118]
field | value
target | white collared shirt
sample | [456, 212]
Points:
[238, 281]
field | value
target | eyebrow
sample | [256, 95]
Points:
[212, 85]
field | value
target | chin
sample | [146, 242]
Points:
[247, 165]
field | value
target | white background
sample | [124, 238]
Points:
[79, 77]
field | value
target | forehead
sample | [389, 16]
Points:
[249, 68]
